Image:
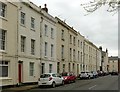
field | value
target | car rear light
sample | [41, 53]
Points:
[50, 78]
[38, 79]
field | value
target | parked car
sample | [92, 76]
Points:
[68, 77]
[85, 75]
[50, 79]
[95, 74]
[100, 73]
[114, 73]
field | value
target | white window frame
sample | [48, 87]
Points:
[4, 64]
[2, 9]
[2, 40]
[31, 65]
[70, 53]
[32, 46]
[70, 39]
[52, 33]
[52, 50]
[62, 35]
[62, 52]
[46, 29]
[22, 20]
[46, 46]
[23, 41]
[50, 68]
[32, 23]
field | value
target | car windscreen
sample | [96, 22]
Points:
[45, 75]
[64, 74]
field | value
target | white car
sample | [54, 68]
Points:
[95, 74]
[50, 79]
[85, 75]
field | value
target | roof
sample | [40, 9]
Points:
[113, 58]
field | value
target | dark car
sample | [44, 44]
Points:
[114, 73]
[68, 77]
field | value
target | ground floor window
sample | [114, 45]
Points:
[58, 67]
[31, 68]
[3, 69]
[50, 68]
[43, 68]
[63, 67]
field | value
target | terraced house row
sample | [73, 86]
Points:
[33, 42]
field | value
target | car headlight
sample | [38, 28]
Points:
[65, 78]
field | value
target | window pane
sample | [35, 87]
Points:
[2, 39]
[3, 71]
[2, 9]
[22, 18]
[31, 69]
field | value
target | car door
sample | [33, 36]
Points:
[59, 78]
[55, 78]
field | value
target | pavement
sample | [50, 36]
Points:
[20, 88]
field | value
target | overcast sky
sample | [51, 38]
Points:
[100, 27]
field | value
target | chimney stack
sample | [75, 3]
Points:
[45, 8]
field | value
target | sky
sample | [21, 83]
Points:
[100, 27]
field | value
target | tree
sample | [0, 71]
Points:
[112, 5]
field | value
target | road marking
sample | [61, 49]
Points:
[92, 87]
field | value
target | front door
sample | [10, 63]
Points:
[19, 72]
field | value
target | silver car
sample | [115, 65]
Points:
[86, 75]
[50, 79]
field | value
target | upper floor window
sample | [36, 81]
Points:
[73, 54]
[74, 40]
[78, 55]
[23, 43]
[52, 32]
[70, 39]
[51, 50]
[32, 23]
[70, 53]
[32, 47]
[22, 18]
[81, 45]
[2, 9]
[78, 43]
[46, 29]
[2, 39]
[62, 35]
[62, 51]
[46, 48]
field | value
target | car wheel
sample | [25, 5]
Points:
[69, 81]
[88, 77]
[63, 83]
[53, 84]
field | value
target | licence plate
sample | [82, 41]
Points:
[43, 83]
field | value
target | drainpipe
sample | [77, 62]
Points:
[17, 36]
[41, 44]
[84, 56]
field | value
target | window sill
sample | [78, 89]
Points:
[22, 25]
[3, 51]
[52, 38]
[45, 57]
[4, 18]
[5, 78]
[32, 29]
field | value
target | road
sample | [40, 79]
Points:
[102, 83]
